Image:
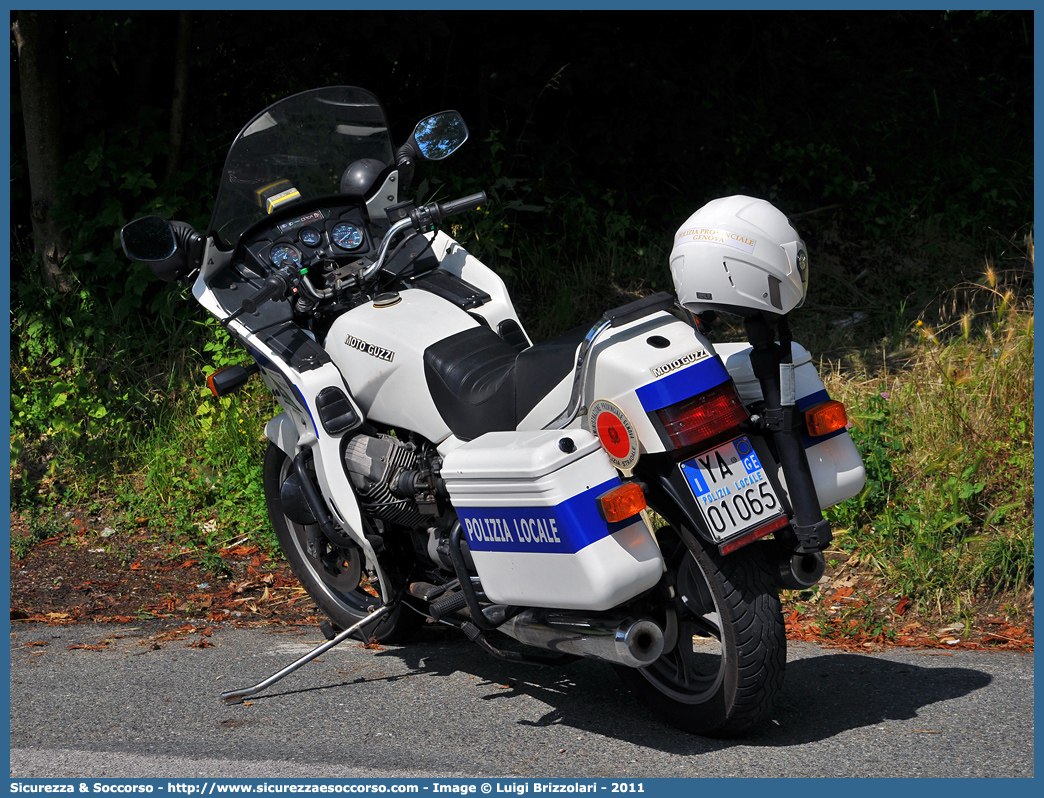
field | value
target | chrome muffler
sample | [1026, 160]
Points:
[618, 639]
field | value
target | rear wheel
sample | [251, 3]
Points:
[334, 580]
[729, 652]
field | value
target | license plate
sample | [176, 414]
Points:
[731, 489]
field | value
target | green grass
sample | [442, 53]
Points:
[201, 478]
[128, 417]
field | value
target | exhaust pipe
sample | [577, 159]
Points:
[801, 571]
[618, 639]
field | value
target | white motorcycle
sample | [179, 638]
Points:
[628, 492]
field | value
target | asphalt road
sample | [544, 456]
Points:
[142, 707]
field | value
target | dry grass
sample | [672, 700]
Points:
[945, 426]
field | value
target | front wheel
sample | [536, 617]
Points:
[335, 580]
[729, 650]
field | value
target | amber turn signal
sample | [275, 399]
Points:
[211, 385]
[825, 418]
[229, 379]
[622, 502]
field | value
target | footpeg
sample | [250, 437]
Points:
[426, 591]
[447, 605]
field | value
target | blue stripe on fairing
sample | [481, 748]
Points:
[567, 527]
[813, 399]
[692, 380]
[264, 362]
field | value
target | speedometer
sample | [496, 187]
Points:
[347, 236]
[283, 254]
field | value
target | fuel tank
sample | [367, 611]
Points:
[379, 349]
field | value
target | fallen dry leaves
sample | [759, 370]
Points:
[87, 580]
[78, 582]
[852, 609]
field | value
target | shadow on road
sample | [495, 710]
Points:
[823, 695]
[832, 693]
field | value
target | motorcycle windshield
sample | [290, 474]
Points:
[296, 150]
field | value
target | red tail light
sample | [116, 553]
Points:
[703, 416]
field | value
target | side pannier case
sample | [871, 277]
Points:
[528, 503]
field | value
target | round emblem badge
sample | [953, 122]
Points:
[610, 425]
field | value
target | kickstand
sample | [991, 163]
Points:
[237, 696]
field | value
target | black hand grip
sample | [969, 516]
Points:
[426, 216]
[275, 284]
[640, 307]
[469, 203]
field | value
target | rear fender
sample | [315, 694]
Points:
[669, 496]
[669, 493]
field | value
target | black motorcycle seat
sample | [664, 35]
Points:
[541, 367]
[480, 383]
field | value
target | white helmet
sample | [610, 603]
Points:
[739, 255]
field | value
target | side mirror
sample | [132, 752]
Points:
[148, 239]
[436, 137]
[440, 135]
[171, 249]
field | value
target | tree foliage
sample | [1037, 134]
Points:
[894, 116]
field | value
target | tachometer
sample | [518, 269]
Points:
[347, 236]
[283, 254]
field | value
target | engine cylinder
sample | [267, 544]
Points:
[373, 464]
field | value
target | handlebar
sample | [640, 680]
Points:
[275, 285]
[433, 214]
[472, 202]
[424, 217]
[420, 219]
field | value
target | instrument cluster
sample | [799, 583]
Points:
[312, 238]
